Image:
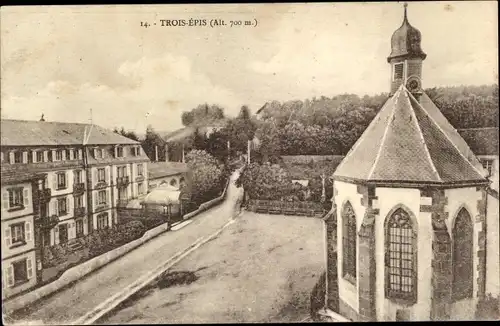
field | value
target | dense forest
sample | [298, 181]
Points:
[330, 126]
[317, 126]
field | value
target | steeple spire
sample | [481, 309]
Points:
[406, 16]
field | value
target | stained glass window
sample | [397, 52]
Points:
[462, 256]
[400, 256]
[349, 242]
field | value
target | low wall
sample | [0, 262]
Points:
[77, 272]
[208, 204]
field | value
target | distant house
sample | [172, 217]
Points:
[181, 138]
[169, 188]
[174, 174]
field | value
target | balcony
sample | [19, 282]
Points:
[122, 181]
[44, 195]
[100, 184]
[139, 178]
[101, 207]
[79, 211]
[50, 221]
[79, 188]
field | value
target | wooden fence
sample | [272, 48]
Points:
[301, 208]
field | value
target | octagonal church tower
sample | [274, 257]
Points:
[409, 205]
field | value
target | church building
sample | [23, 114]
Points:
[408, 234]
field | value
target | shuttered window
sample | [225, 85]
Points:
[20, 271]
[62, 206]
[400, 257]
[16, 197]
[398, 71]
[17, 233]
[463, 256]
[102, 221]
[349, 242]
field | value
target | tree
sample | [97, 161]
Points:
[207, 175]
[129, 134]
[152, 141]
[202, 115]
[265, 181]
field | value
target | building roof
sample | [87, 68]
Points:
[165, 169]
[36, 133]
[405, 41]
[14, 177]
[482, 141]
[165, 195]
[410, 143]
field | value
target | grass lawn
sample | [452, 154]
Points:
[260, 269]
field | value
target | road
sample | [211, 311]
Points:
[75, 301]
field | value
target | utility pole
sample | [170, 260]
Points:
[156, 153]
[183, 157]
[248, 152]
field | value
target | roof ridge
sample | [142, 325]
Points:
[447, 137]
[47, 122]
[370, 126]
[384, 137]
[421, 136]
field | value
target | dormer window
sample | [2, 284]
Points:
[398, 71]
[59, 155]
[38, 157]
[98, 153]
[119, 151]
[17, 157]
[135, 151]
[71, 154]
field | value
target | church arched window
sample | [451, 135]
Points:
[401, 256]
[462, 256]
[349, 236]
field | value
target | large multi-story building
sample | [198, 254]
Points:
[87, 171]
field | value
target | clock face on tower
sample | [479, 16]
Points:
[413, 84]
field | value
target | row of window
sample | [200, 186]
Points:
[401, 253]
[57, 155]
[40, 156]
[121, 172]
[119, 151]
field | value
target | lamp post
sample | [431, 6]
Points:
[323, 193]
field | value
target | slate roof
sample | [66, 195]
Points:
[36, 133]
[164, 169]
[410, 143]
[14, 177]
[482, 141]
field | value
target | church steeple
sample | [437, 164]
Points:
[406, 57]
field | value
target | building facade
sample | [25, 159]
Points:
[87, 172]
[410, 206]
[19, 220]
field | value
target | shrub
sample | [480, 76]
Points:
[487, 308]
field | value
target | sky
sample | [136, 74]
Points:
[74, 63]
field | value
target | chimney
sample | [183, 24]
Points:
[166, 153]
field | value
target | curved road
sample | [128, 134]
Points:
[75, 301]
